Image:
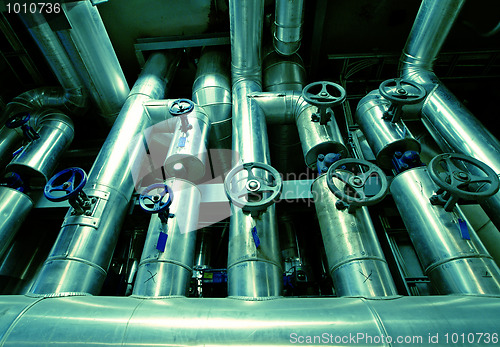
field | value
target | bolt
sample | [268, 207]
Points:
[253, 184]
[321, 157]
[402, 91]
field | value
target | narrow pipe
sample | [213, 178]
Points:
[90, 49]
[356, 261]
[454, 264]
[81, 255]
[252, 271]
[168, 272]
[442, 113]
[111, 321]
[287, 32]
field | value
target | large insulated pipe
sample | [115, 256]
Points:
[90, 49]
[168, 271]
[315, 139]
[454, 264]
[252, 271]
[38, 159]
[72, 96]
[81, 255]
[111, 321]
[445, 116]
[14, 208]
[355, 259]
[287, 31]
[10, 141]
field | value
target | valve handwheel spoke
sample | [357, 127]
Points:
[257, 193]
[445, 170]
[69, 181]
[156, 198]
[363, 188]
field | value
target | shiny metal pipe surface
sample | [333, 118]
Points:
[10, 141]
[212, 91]
[383, 136]
[283, 73]
[252, 272]
[250, 142]
[14, 208]
[450, 122]
[39, 158]
[287, 32]
[454, 264]
[355, 258]
[81, 255]
[187, 155]
[90, 48]
[132, 321]
[246, 20]
[283, 107]
[168, 272]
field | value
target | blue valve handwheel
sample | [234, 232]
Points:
[181, 106]
[18, 120]
[156, 198]
[68, 183]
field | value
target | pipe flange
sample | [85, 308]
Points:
[255, 192]
[357, 182]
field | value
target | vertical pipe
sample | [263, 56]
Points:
[454, 264]
[168, 272]
[81, 255]
[287, 32]
[252, 272]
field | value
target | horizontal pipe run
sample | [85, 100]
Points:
[130, 321]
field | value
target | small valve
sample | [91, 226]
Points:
[255, 192]
[355, 183]
[68, 185]
[400, 93]
[181, 108]
[324, 95]
[449, 172]
[21, 120]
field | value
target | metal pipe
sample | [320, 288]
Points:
[38, 159]
[14, 208]
[252, 272]
[10, 141]
[168, 272]
[90, 49]
[131, 321]
[355, 259]
[81, 255]
[287, 32]
[455, 265]
[188, 150]
[445, 116]
[384, 137]
[315, 139]
[72, 97]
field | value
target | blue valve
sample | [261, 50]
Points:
[182, 107]
[68, 183]
[325, 161]
[22, 120]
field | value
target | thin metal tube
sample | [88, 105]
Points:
[81, 255]
[111, 321]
